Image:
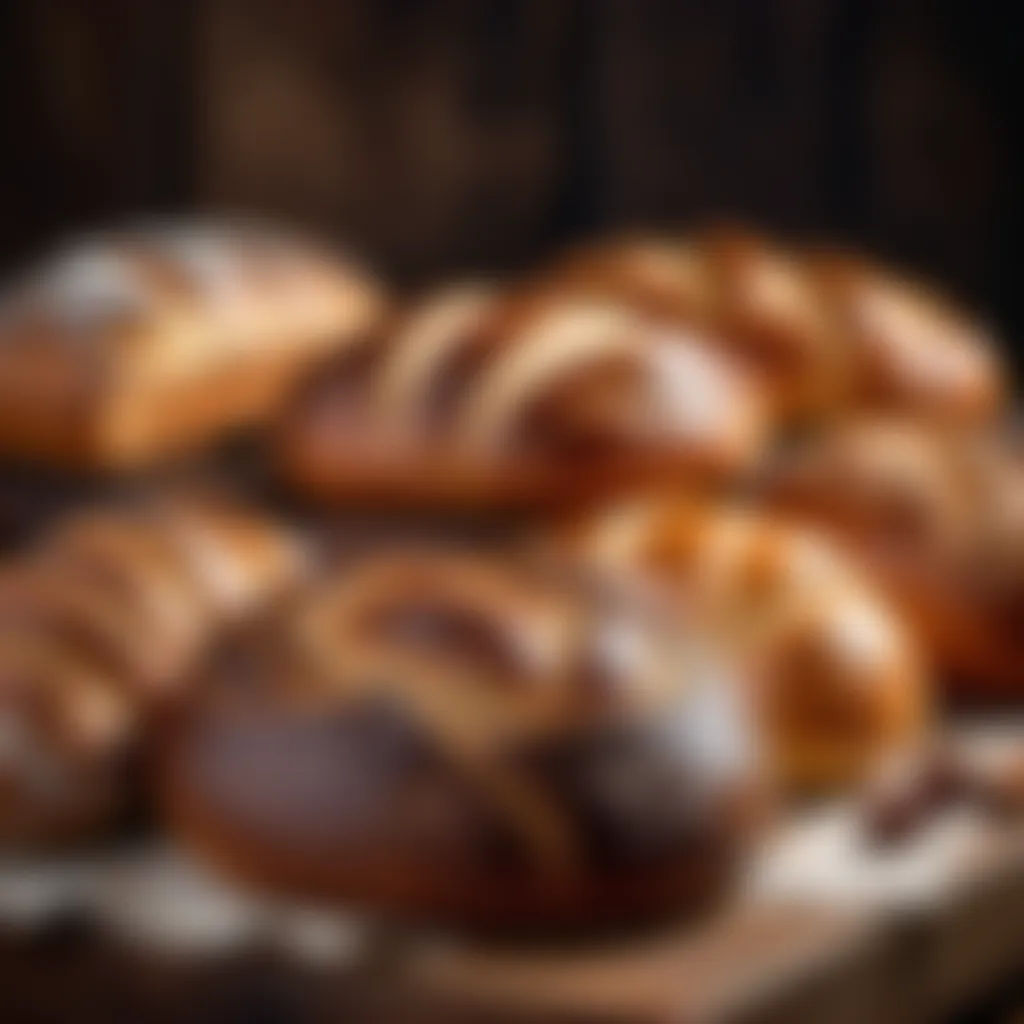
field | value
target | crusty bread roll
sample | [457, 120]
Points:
[938, 516]
[528, 398]
[839, 683]
[912, 351]
[131, 347]
[456, 737]
[99, 629]
[829, 333]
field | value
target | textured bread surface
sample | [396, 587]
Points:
[828, 332]
[130, 347]
[450, 736]
[839, 682]
[527, 397]
[101, 625]
[938, 517]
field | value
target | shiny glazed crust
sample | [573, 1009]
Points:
[531, 397]
[444, 736]
[838, 682]
[939, 519]
[98, 630]
[135, 346]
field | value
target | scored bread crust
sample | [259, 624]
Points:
[528, 397]
[839, 683]
[138, 345]
[938, 518]
[456, 737]
[827, 331]
[100, 628]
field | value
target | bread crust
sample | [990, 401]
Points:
[433, 735]
[100, 627]
[839, 684]
[528, 398]
[938, 518]
[828, 332]
[132, 347]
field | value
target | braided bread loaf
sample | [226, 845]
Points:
[527, 398]
[838, 682]
[827, 331]
[134, 346]
[98, 629]
[939, 517]
[449, 735]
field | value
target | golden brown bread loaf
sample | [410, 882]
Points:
[838, 682]
[938, 516]
[830, 333]
[131, 347]
[527, 398]
[99, 627]
[452, 736]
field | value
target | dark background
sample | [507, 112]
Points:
[451, 134]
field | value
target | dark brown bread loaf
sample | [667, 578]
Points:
[445, 735]
[526, 398]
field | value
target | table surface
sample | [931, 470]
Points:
[824, 929]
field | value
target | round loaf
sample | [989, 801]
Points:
[450, 736]
[938, 517]
[839, 684]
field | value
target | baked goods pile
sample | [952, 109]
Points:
[756, 515]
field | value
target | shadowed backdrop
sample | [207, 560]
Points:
[445, 135]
